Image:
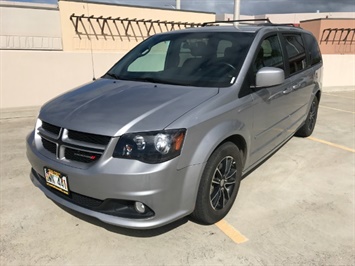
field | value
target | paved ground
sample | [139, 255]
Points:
[297, 208]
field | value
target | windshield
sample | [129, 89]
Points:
[210, 59]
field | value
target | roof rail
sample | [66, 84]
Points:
[278, 24]
[266, 21]
[238, 20]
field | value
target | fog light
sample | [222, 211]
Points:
[139, 206]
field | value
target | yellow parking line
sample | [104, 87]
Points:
[340, 110]
[231, 232]
[332, 144]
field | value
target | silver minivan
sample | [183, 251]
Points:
[171, 129]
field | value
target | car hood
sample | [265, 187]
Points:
[112, 108]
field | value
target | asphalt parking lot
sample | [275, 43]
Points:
[297, 208]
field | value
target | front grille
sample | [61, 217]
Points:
[77, 146]
[85, 201]
[51, 128]
[86, 137]
[49, 146]
[81, 156]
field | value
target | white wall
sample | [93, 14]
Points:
[30, 78]
[34, 26]
[339, 70]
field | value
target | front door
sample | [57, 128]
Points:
[272, 105]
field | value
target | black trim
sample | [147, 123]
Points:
[87, 137]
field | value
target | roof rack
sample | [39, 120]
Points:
[232, 21]
[266, 21]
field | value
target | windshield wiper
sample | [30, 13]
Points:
[153, 80]
[149, 79]
[143, 79]
[112, 75]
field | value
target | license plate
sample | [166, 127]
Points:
[56, 180]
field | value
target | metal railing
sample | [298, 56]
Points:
[145, 27]
[338, 35]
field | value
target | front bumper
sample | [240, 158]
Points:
[169, 193]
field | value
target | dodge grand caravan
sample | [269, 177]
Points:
[172, 127]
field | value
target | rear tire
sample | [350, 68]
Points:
[219, 184]
[307, 129]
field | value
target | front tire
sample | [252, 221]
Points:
[219, 184]
[307, 129]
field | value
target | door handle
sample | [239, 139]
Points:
[296, 87]
[288, 90]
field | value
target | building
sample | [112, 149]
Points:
[294, 18]
[334, 35]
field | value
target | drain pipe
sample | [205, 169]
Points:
[236, 11]
[178, 5]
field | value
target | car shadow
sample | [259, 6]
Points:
[141, 233]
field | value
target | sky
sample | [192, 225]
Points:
[248, 7]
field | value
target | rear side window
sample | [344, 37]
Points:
[314, 54]
[296, 52]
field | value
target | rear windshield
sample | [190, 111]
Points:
[211, 59]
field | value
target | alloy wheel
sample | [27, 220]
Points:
[223, 183]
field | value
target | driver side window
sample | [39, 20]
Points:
[269, 54]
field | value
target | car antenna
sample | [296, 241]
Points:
[91, 52]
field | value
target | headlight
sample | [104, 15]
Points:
[150, 147]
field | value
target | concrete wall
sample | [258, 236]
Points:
[30, 78]
[335, 44]
[29, 26]
[339, 70]
[32, 26]
[117, 35]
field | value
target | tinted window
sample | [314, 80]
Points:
[296, 53]
[313, 50]
[210, 59]
[222, 47]
[269, 54]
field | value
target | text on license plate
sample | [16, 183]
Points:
[56, 180]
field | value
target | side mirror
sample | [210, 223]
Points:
[269, 76]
